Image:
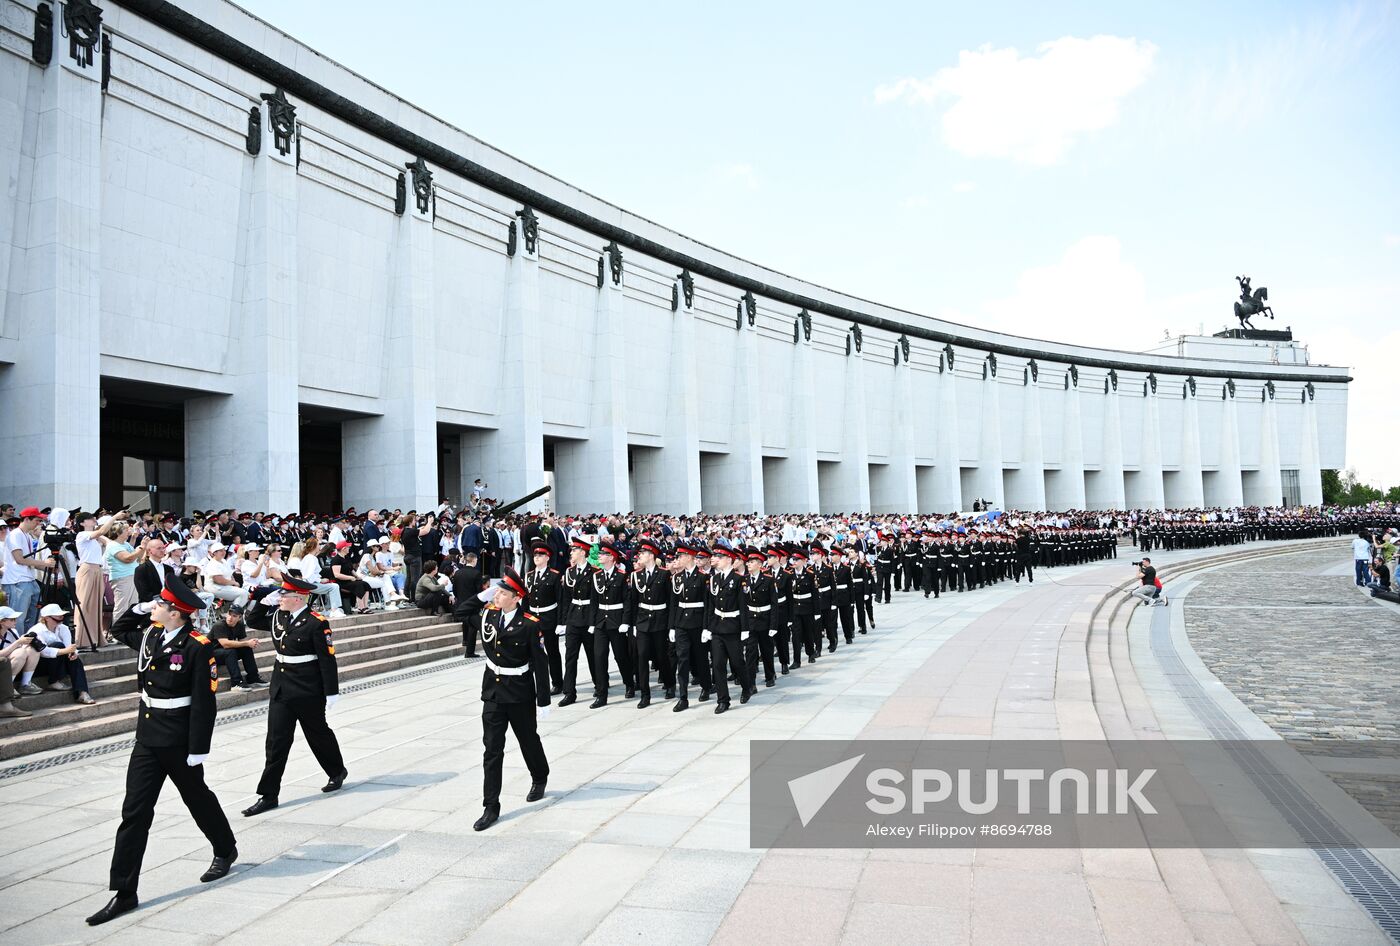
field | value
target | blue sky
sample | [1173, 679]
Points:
[1095, 173]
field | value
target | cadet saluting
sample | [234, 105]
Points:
[304, 685]
[177, 678]
[514, 686]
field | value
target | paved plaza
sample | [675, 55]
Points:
[644, 838]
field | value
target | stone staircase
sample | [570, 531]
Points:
[365, 644]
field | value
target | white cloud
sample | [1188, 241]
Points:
[964, 187]
[1030, 109]
[739, 173]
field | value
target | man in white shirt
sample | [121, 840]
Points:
[1361, 557]
[24, 562]
[218, 577]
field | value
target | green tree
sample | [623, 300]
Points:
[1333, 493]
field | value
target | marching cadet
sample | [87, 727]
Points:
[576, 602]
[929, 563]
[609, 601]
[885, 561]
[909, 562]
[177, 677]
[725, 633]
[782, 604]
[689, 595]
[1025, 554]
[844, 597]
[305, 685]
[514, 692]
[826, 601]
[646, 614]
[863, 587]
[759, 618]
[542, 600]
[806, 633]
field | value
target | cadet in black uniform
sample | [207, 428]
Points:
[576, 601]
[931, 566]
[305, 685]
[177, 678]
[759, 618]
[826, 597]
[609, 601]
[689, 596]
[514, 688]
[863, 588]
[806, 632]
[725, 633]
[844, 592]
[542, 585]
[782, 602]
[885, 560]
[646, 616]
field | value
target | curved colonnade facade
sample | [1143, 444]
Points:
[248, 275]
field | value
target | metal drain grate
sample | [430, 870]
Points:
[1366, 879]
[95, 752]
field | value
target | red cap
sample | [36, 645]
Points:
[31, 512]
[170, 598]
[511, 581]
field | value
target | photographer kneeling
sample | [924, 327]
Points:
[1148, 590]
[59, 658]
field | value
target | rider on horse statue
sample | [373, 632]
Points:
[1251, 304]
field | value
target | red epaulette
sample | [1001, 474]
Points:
[531, 617]
[318, 616]
[555, 570]
[198, 637]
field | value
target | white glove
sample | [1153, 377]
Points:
[773, 633]
[625, 628]
[487, 595]
[672, 635]
[559, 631]
[272, 599]
[705, 637]
[193, 760]
[542, 712]
[143, 608]
[590, 630]
[330, 700]
[743, 635]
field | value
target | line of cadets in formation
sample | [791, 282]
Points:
[1163, 532]
[712, 615]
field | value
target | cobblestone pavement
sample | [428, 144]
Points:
[1296, 641]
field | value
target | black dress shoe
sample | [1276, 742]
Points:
[488, 818]
[831, 648]
[536, 791]
[336, 781]
[681, 704]
[597, 703]
[569, 700]
[670, 693]
[631, 693]
[721, 708]
[785, 669]
[218, 867]
[744, 697]
[770, 681]
[555, 691]
[115, 907]
[264, 803]
[644, 702]
[704, 694]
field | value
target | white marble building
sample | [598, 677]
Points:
[188, 303]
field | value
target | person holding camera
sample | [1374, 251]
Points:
[21, 656]
[8, 693]
[59, 657]
[1149, 589]
[235, 650]
[26, 561]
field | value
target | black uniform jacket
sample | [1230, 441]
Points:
[308, 634]
[181, 669]
[508, 648]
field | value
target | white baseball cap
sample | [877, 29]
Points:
[217, 547]
[52, 611]
[7, 613]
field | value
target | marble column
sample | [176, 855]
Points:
[793, 487]
[49, 398]
[989, 455]
[1268, 482]
[677, 490]
[591, 475]
[243, 450]
[1108, 484]
[392, 460]
[1309, 464]
[947, 473]
[1229, 481]
[1026, 486]
[1149, 492]
[1188, 490]
[896, 488]
[511, 457]
[1068, 488]
[847, 488]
